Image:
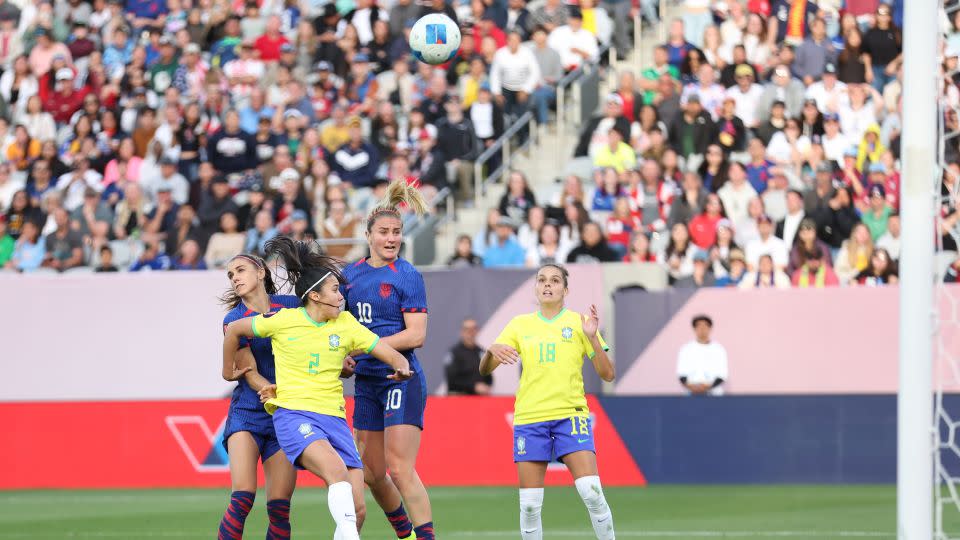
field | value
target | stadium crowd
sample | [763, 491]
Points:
[760, 148]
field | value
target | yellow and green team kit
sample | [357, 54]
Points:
[551, 353]
[309, 357]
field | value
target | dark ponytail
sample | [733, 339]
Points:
[304, 266]
[231, 299]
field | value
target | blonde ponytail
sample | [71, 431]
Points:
[399, 193]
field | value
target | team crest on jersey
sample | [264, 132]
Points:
[305, 429]
[385, 290]
[334, 341]
[566, 332]
[521, 445]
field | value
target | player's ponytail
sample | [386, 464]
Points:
[305, 268]
[399, 193]
[231, 299]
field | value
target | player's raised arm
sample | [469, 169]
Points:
[231, 342]
[601, 362]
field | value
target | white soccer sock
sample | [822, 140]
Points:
[340, 502]
[531, 501]
[592, 494]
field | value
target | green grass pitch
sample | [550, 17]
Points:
[656, 512]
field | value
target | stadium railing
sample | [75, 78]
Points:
[503, 144]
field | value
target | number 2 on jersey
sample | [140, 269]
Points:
[315, 363]
[364, 312]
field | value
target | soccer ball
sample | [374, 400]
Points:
[435, 39]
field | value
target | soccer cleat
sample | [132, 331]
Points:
[409, 537]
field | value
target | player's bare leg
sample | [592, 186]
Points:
[281, 479]
[244, 455]
[371, 447]
[531, 475]
[402, 445]
[359, 499]
[322, 460]
[583, 467]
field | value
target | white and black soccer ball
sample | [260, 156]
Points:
[435, 39]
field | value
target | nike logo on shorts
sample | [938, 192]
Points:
[581, 441]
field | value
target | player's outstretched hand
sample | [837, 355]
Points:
[267, 393]
[592, 323]
[239, 373]
[401, 375]
[504, 354]
[348, 366]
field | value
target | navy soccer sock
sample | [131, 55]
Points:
[279, 512]
[231, 526]
[400, 522]
[425, 531]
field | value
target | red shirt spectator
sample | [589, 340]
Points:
[66, 100]
[270, 42]
[703, 227]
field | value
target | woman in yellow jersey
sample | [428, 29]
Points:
[309, 345]
[551, 420]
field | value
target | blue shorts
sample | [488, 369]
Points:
[296, 430]
[553, 439]
[258, 424]
[380, 402]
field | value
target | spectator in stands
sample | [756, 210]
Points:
[722, 247]
[620, 225]
[593, 247]
[64, 246]
[702, 363]
[690, 202]
[518, 199]
[262, 232]
[463, 255]
[461, 363]
[736, 271]
[188, 257]
[880, 271]
[615, 154]
[7, 243]
[702, 275]
[168, 178]
[514, 75]
[814, 53]
[703, 226]
[214, 204]
[574, 43]
[340, 223]
[486, 236]
[151, 259]
[782, 88]
[505, 251]
[692, 131]
[729, 131]
[594, 134]
[767, 244]
[608, 188]
[225, 243]
[551, 15]
[678, 255]
[357, 161]
[876, 214]
[765, 275]
[550, 247]
[713, 170]
[890, 240]
[551, 71]
[30, 249]
[815, 271]
[639, 250]
[457, 141]
[75, 183]
[884, 44]
[855, 254]
[529, 232]
[737, 192]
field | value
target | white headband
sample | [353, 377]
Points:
[306, 292]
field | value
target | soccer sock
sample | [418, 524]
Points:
[531, 501]
[425, 531]
[279, 512]
[592, 495]
[231, 525]
[340, 502]
[400, 522]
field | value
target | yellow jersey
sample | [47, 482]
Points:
[309, 356]
[551, 354]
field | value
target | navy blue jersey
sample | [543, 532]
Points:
[243, 396]
[378, 298]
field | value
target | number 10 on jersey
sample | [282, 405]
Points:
[364, 312]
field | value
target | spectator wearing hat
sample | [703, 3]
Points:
[767, 244]
[828, 92]
[63, 103]
[357, 161]
[505, 250]
[514, 75]
[290, 198]
[815, 272]
[736, 269]
[692, 131]
[79, 43]
[834, 142]
[162, 72]
[42, 54]
[574, 43]
[702, 275]
[876, 213]
[702, 363]
[783, 87]
[594, 134]
[230, 149]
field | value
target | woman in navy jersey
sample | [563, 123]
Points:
[386, 294]
[248, 435]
